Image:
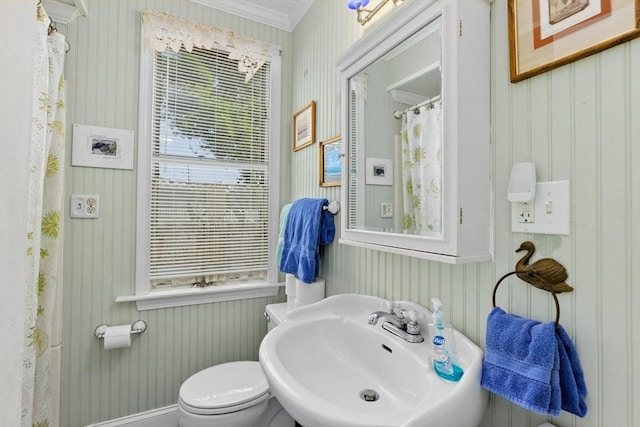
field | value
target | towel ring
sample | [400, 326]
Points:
[555, 298]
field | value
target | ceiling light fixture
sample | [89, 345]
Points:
[365, 15]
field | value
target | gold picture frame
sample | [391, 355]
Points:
[545, 34]
[330, 167]
[304, 126]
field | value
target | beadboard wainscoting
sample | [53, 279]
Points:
[577, 122]
[102, 69]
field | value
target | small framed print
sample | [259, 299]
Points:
[304, 126]
[379, 171]
[101, 147]
[331, 162]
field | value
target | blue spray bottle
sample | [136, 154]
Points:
[443, 365]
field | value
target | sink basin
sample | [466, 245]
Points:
[328, 367]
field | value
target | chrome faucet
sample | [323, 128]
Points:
[401, 323]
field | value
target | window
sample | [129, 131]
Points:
[208, 190]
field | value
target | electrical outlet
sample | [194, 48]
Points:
[84, 206]
[386, 210]
[526, 212]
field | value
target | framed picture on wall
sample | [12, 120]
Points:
[101, 147]
[304, 126]
[544, 34]
[379, 171]
[331, 162]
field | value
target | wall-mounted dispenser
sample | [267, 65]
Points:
[537, 207]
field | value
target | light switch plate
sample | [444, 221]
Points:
[551, 210]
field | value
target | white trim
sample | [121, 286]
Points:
[274, 160]
[160, 417]
[208, 294]
[286, 18]
[144, 169]
[432, 256]
[60, 12]
[406, 98]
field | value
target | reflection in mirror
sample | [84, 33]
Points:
[396, 154]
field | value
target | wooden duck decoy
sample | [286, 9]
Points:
[545, 273]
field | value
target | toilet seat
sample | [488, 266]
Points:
[224, 388]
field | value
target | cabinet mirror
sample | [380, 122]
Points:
[415, 114]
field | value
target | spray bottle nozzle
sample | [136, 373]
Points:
[438, 317]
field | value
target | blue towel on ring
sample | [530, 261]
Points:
[308, 226]
[532, 365]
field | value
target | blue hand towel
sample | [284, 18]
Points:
[308, 226]
[572, 384]
[532, 364]
[521, 362]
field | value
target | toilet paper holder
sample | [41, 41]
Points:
[137, 327]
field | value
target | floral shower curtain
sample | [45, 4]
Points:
[44, 225]
[421, 137]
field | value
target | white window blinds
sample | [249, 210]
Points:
[209, 212]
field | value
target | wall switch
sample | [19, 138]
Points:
[386, 210]
[84, 206]
[550, 212]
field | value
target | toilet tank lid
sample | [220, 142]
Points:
[225, 385]
[277, 312]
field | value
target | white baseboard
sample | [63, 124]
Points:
[161, 417]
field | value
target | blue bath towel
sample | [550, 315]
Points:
[284, 214]
[308, 227]
[528, 363]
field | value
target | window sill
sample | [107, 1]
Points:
[190, 296]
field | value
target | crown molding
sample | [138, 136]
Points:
[264, 12]
[63, 13]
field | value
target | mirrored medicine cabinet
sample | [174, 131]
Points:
[415, 125]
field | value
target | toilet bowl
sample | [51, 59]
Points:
[234, 394]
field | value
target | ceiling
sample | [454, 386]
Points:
[283, 14]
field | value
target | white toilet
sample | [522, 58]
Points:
[234, 394]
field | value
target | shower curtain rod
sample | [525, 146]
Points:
[398, 113]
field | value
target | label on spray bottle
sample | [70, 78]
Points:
[441, 358]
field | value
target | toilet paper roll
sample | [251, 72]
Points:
[117, 337]
[290, 285]
[308, 293]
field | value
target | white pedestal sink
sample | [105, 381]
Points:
[328, 367]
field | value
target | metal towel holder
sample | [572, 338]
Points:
[555, 297]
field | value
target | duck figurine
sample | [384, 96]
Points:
[546, 273]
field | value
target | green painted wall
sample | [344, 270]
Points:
[577, 122]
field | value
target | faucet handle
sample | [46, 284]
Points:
[413, 327]
[395, 308]
[390, 306]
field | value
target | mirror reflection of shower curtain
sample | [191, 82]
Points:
[421, 147]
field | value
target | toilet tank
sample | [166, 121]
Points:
[274, 313]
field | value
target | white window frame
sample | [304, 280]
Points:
[145, 297]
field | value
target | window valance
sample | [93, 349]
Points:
[162, 31]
